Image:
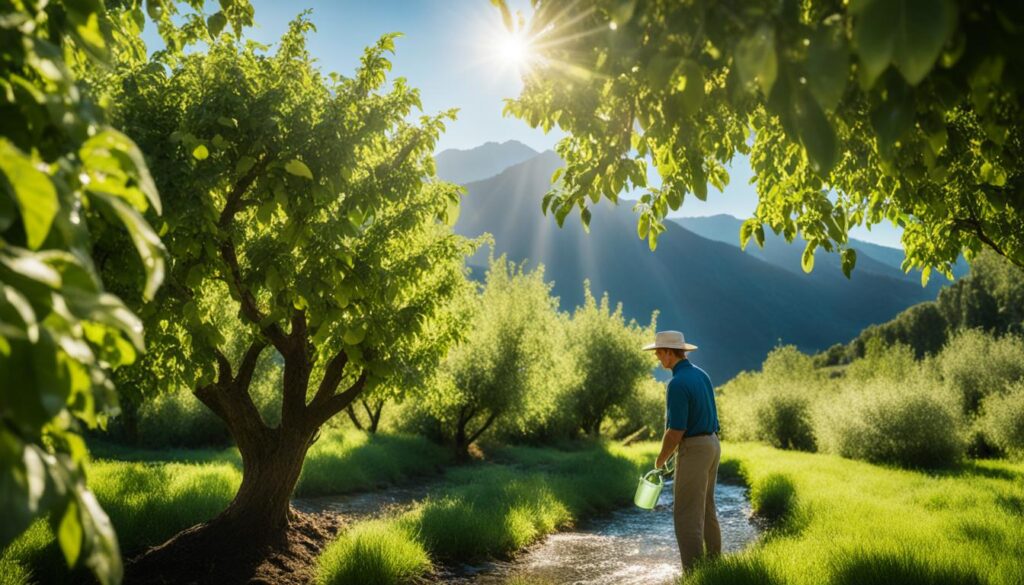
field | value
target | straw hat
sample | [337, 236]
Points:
[670, 340]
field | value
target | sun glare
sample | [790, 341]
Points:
[514, 49]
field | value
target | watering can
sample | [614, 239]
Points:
[649, 488]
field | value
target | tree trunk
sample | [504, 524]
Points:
[270, 469]
[374, 414]
[351, 412]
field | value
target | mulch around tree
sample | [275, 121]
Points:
[290, 560]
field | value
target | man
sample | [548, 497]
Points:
[691, 427]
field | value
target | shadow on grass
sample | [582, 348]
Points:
[731, 471]
[886, 569]
[735, 570]
[100, 449]
[973, 468]
[1013, 505]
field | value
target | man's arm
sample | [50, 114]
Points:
[669, 443]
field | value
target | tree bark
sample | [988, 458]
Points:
[374, 414]
[256, 521]
[351, 412]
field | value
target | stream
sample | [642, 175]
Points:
[629, 546]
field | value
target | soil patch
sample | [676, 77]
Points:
[288, 560]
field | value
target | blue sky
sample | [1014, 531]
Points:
[448, 52]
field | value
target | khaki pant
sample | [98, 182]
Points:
[696, 521]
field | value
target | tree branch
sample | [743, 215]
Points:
[224, 376]
[974, 227]
[248, 365]
[332, 377]
[234, 201]
[481, 430]
[250, 310]
[352, 416]
[332, 405]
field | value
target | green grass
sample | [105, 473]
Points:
[146, 502]
[348, 461]
[152, 494]
[843, 522]
[492, 510]
[375, 553]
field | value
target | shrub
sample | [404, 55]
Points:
[1002, 419]
[975, 364]
[784, 420]
[894, 363]
[773, 497]
[737, 407]
[642, 415]
[374, 553]
[609, 362]
[911, 425]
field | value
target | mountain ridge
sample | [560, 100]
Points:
[736, 306]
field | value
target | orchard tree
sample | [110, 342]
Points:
[511, 346]
[851, 113]
[66, 175]
[310, 204]
[608, 361]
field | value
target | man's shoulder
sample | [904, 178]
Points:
[698, 372]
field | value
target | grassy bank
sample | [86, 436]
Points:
[490, 510]
[151, 495]
[844, 522]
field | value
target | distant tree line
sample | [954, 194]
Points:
[990, 298]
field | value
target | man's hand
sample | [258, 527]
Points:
[669, 443]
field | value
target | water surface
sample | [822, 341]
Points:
[628, 547]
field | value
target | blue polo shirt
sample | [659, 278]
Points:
[690, 400]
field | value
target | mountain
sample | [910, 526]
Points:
[464, 166]
[735, 306]
[871, 258]
[881, 260]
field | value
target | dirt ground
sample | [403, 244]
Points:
[290, 560]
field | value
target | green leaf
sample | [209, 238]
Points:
[98, 151]
[746, 230]
[355, 335]
[907, 33]
[147, 243]
[874, 39]
[243, 165]
[816, 134]
[893, 116]
[585, 218]
[22, 308]
[643, 226]
[700, 179]
[807, 258]
[759, 235]
[924, 28]
[32, 189]
[228, 122]
[103, 556]
[69, 533]
[298, 168]
[848, 259]
[926, 273]
[756, 59]
[216, 23]
[200, 152]
[690, 86]
[828, 64]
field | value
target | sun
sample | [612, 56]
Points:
[514, 49]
